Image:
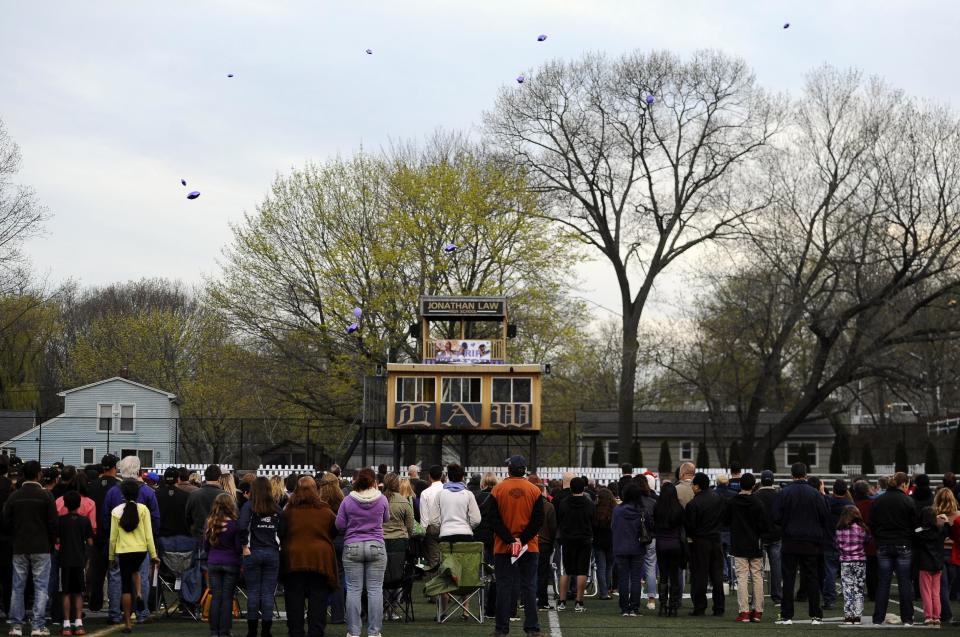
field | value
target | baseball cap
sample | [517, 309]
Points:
[766, 477]
[171, 474]
[516, 461]
[152, 476]
[109, 461]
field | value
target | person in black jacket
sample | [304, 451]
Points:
[893, 519]
[748, 523]
[97, 491]
[31, 517]
[801, 513]
[767, 493]
[703, 519]
[575, 517]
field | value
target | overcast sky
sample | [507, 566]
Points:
[113, 102]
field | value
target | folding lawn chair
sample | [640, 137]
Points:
[170, 592]
[461, 575]
[398, 587]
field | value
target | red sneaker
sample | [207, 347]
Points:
[743, 617]
[756, 616]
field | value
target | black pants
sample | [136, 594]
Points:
[706, 561]
[517, 581]
[6, 574]
[96, 574]
[809, 566]
[544, 573]
[871, 577]
[310, 588]
[670, 586]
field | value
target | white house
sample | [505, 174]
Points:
[116, 415]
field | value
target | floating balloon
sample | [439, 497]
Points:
[229, 74]
[194, 194]
[449, 248]
[786, 25]
[649, 100]
[353, 328]
[369, 51]
[183, 181]
[357, 312]
[520, 79]
[541, 37]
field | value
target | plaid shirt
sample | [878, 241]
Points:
[851, 543]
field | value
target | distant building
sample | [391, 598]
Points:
[116, 415]
[683, 431]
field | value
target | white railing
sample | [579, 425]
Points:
[283, 470]
[943, 426]
[199, 468]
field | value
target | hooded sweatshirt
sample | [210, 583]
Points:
[575, 519]
[362, 515]
[457, 512]
[748, 523]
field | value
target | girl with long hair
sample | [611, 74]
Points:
[278, 491]
[261, 527]
[330, 491]
[603, 541]
[361, 518]
[308, 558]
[851, 539]
[131, 538]
[670, 542]
[221, 541]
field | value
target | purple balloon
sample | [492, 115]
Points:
[183, 181]
[369, 51]
[353, 328]
[449, 248]
[357, 312]
[520, 79]
[786, 25]
[194, 194]
[649, 100]
[229, 74]
[541, 37]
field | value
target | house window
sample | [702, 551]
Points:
[126, 418]
[686, 451]
[105, 417]
[416, 389]
[88, 455]
[511, 390]
[8, 451]
[792, 452]
[612, 453]
[460, 390]
[145, 456]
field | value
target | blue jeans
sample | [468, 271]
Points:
[223, 584]
[831, 567]
[38, 565]
[363, 566]
[890, 558]
[772, 551]
[650, 569]
[630, 578]
[517, 581]
[115, 613]
[604, 560]
[261, 569]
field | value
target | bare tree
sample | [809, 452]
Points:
[642, 158]
[21, 217]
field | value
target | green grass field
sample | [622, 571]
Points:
[602, 619]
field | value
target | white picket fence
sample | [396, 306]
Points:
[283, 470]
[199, 468]
[885, 469]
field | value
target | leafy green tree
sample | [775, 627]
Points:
[665, 462]
[703, 456]
[599, 457]
[867, 465]
[901, 463]
[931, 458]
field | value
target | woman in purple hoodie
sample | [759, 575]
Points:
[360, 519]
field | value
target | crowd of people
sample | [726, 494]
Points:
[70, 535]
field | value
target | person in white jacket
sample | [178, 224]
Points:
[456, 513]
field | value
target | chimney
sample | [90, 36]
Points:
[124, 372]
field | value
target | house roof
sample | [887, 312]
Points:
[15, 422]
[120, 378]
[685, 424]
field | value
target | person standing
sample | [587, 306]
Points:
[76, 534]
[628, 519]
[516, 508]
[893, 518]
[131, 543]
[575, 518]
[647, 502]
[309, 559]
[748, 523]
[851, 540]
[603, 542]
[396, 532]
[864, 502]
[221, 543]
[767, 493]
[260, 528]
[200, 501]
[801, 512]
[837, 500]
[547, 540]
[928, 544]
[671, 541]
[97, 491]
[703, 519]
[30, 516]
[428, 511]
[361, 518]
[685, 483]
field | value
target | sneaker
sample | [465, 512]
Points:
[756, 616]
[651, 605]
[37, 632]
[561, 605]
[544, 607]
[743, 618]
[78, 630]
[816, 621]
[783, 622]
[579, 608]
[67, 632]
[627, 614]
[16, 630]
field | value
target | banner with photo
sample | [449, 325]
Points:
[461, 351]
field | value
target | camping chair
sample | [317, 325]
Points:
[398, 587]
[461, 575]
[173, 565]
